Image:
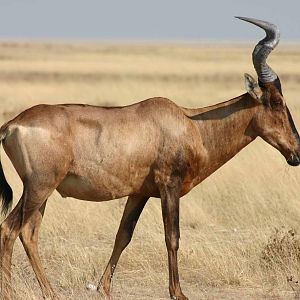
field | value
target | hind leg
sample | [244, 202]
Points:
[29, 239]
[28, 206]
[132, 211]
[41, 154]
[8, 233]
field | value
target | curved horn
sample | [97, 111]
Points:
[263, 49]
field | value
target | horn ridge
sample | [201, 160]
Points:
[264, 48]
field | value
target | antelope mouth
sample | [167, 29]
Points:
[293, 160]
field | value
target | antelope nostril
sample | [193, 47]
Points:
[293, 160]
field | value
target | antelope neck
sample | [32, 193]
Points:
[225, 129]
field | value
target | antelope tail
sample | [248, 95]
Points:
[6, 193]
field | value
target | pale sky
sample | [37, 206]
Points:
[175, 20]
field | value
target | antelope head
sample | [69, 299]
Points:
[272, 121]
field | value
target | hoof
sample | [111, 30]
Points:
[104, 292]
[179, 297]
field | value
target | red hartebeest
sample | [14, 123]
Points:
[150, 149]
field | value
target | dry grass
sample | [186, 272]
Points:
[229, 246]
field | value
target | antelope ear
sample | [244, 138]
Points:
[253, 88]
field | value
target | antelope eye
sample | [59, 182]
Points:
[277, 104]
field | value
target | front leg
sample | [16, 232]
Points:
[170, 212]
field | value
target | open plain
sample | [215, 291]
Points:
[239, 228]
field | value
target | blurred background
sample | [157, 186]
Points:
[239, 228]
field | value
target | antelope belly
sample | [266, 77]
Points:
[83, 188]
